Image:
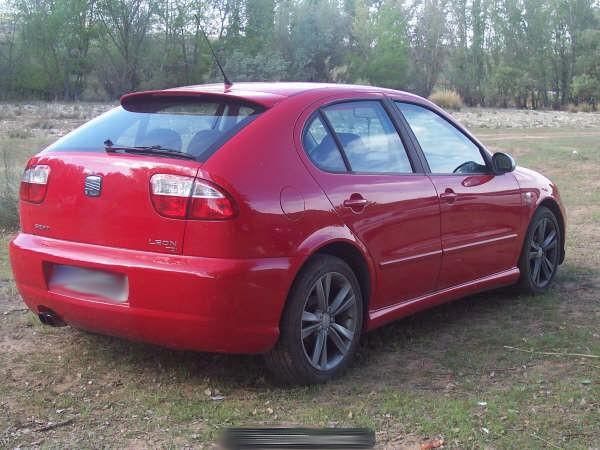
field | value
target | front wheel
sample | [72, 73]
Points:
[541, 252]
[321, 323]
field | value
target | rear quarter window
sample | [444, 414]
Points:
[321, 147]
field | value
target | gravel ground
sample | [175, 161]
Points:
[22, 120]
[523, 118]
[41, 119]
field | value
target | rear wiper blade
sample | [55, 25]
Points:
[157, 150]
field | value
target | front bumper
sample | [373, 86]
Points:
[181, 302]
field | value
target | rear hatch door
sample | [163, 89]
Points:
[103, 197]
[105, 200]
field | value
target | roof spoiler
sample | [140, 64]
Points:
[144, 101]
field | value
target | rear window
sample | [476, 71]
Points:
[196, 127]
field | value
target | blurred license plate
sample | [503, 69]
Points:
[109, 286]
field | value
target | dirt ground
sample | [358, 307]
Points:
[495, 370]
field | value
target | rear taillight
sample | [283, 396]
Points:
[34, 183]
[181, 197]
[208, 202]
[171, 194]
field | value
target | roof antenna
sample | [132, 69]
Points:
[225, 79]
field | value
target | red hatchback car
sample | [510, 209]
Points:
[277, 218]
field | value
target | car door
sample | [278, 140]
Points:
[381, 193]
[480, 211]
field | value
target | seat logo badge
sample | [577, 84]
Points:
[93, 185]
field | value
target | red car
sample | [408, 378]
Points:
[277, 218]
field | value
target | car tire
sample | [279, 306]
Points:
[321, 324]
[541, 252]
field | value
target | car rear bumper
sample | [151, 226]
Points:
[182, 302]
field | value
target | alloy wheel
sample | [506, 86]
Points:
[329, 321]
[543, 252]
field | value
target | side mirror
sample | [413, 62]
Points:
[503, 163]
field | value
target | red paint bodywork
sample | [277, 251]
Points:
[224, 285]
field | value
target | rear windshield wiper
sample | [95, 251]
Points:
[157, 150]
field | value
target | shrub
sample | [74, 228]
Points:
[9, 184]
[585, 107]
[20, 134]
[581, 107]
[447, 99]
[586, 89]
[42, 124]
[572, 108]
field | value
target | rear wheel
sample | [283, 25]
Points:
[321, 323]
[541, 252]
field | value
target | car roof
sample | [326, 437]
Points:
[265, 93]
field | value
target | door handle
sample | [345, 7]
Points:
[449, 196]
[356, 202]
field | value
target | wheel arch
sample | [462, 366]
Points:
[353, 254]
[553, 206]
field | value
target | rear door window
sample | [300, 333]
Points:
[368, 137]
[194, 126]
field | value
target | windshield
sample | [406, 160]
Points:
[197, 128]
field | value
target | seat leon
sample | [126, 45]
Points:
[285, 219]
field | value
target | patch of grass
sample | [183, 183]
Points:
[5, 272]
[9, 214]
[444, 372]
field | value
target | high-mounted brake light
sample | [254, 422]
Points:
[34, 183]
[181, 197]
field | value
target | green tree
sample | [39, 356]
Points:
[524, 53]
[586, 88]
[125, 26]
[468, 63]
[9, 53]
[428, 50]
[317, 32]
[260, 25]
[388, 59]
[378, 51]
[241, 66]
[178, 45]
[586, 84]
[56, 37]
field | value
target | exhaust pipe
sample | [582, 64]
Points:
[49, 317]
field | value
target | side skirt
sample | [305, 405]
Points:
[388, 314]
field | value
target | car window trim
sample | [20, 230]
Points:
[413, 160]
[413, 157]
[336, 139]
[410, 137]
[484, 154]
